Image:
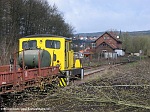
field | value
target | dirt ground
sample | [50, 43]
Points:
[125, 88]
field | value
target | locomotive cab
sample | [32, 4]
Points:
[54, 51]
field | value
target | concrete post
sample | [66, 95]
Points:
[82, 73]
[67, 77]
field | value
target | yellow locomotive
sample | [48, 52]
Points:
[54, 51]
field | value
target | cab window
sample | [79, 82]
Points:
[32, 44]
[53, 44]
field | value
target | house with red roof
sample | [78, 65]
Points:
[109, 42]
[86, 52]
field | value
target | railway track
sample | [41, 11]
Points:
[90, 71]
[97, 69]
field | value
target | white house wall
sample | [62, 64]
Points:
[120, 52]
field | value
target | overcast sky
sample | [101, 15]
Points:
[100, 15]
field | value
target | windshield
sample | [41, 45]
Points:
[53, 44]
[32, 44]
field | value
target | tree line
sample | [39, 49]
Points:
[19, 18]
[133, 44]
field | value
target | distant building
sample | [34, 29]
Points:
[108, 43]
[86, 52]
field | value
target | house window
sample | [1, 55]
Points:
[106, 38]
[104, 50]
[93, 45]
[104, 44]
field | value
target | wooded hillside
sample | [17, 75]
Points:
[19, 18]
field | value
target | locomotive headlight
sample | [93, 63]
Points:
[58, 65]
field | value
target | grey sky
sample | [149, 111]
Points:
[101, 15]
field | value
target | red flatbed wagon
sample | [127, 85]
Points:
[16, 79]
